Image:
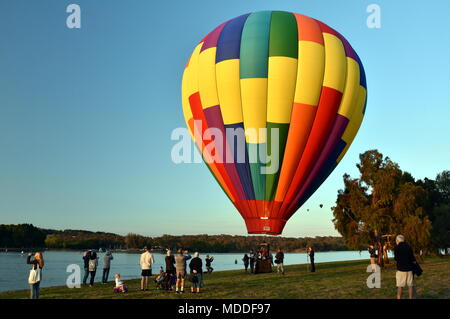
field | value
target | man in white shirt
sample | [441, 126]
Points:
[146, 262]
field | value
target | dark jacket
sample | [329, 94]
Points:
[404, 256]
[170, 264]
[209, 261]
[196, 264]
[279, 257]
[86, 260]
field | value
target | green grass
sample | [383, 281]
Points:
[332, 280]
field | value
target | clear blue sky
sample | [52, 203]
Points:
[86, 115]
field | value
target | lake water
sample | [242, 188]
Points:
[14, 270]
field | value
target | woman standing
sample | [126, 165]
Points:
[311, 258]
[38, 264]
[197, 274]
[93, 263]
[170, 270]
[245, 260]
[373, 257]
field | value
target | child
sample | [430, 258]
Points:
[120, 286]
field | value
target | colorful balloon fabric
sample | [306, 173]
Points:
[266, 70]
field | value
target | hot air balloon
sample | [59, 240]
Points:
[280, 72]
[320, 205]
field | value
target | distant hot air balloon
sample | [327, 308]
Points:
[273, 70]
[320, 205]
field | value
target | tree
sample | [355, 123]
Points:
[383, 201]
[439, 209]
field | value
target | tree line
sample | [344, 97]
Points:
[28, 236]
[229, 243]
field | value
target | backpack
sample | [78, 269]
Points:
[92, 264]
[35, 275]
[417, 270]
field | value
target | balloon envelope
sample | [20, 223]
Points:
[298, 90]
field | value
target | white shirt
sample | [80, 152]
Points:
[119, 283]
[146, 260]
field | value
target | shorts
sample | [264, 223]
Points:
[181, 274]
[404, 278]
[146, 272]
[198, 281]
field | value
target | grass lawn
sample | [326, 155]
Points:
[332, 280]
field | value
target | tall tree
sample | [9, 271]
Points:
[383, 201]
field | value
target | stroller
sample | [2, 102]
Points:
[169, 281]
[160, 280]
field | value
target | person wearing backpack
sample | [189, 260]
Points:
[406, 262]
[93, 263]
[35, 277]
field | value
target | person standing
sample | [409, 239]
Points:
[208, 261]
[311, 258]
[404, 256]
[106, 266]
[146, 262]
[170, 269]
[86, 256]
[252, 261]
[197, 273]
[93, 264]
[245, 260]
[279, 260]
[180, 267]
[373, 256]
[170, 262]
[38, 264]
